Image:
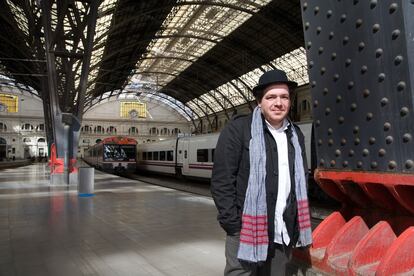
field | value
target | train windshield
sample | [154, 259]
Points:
[119, 153]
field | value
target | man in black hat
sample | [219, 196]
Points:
[259, 183]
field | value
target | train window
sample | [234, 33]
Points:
[144, 155]
[150, 155]
[170, 156]
[155, 155]
[202, 155]
[162, 155]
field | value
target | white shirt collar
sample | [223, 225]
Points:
[281, 129]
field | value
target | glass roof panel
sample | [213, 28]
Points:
[190, 30]
[293, 63]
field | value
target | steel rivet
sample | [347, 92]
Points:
[345, 40]
[361, 46]
[343, 142]
[369, 116]
[351, 153]
[329, 13]
[351, 84]
[358, 23]
[364, 69]
[333, 56]
[315, 103]
[320, 50]
[373, 3]
[338, 98]
[381, 77]
[336, 77]
[366, 93]
[407, 137]
[356, 129]
[359, 164]
[382, 152]
[389, 140]
[316, 10]
[395, 34]
[353, 106]
[401, 86]
[325, 91]
[337, 152]
[333, 163]
[392, 164]
[345, 164]
[404, 111]
[384, 101]
[341, 120]
[409, 164]
[307, 25]
[374, 165]
[327, 111]
[330, 142]
[376, 28]
[357, 141]
[331, 35]
[371, 140]
[393, 7]
[398, 60]
[365, 152]
[348, 62]
[343, 18]
[378, 52]
[387, 126]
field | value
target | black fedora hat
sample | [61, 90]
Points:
[272, 77]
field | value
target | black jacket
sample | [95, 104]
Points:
[231, 174]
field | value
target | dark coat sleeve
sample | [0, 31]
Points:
[227, 158]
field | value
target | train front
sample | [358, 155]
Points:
[119, 155]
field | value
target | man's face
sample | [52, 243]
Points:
[275, 103]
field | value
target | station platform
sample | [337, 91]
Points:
[129, 227]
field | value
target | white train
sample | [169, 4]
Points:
[191, 156]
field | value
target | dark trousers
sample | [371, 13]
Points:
[274, 265]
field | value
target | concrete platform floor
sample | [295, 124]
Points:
[127, 228]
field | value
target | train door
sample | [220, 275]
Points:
[185, 157]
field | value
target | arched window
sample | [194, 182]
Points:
[3, 127]
[165, 131]
[111, 130]
[98, 140]
[175, 131]
[41, 140]
[27, 140]
[3, 141]
[40, 127]
[27, 127]
[86, 129]
[305, 105]
[154, 131]
[99, 129]
[133, 130]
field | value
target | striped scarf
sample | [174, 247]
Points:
[254, 240]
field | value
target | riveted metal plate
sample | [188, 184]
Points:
[361, 67]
